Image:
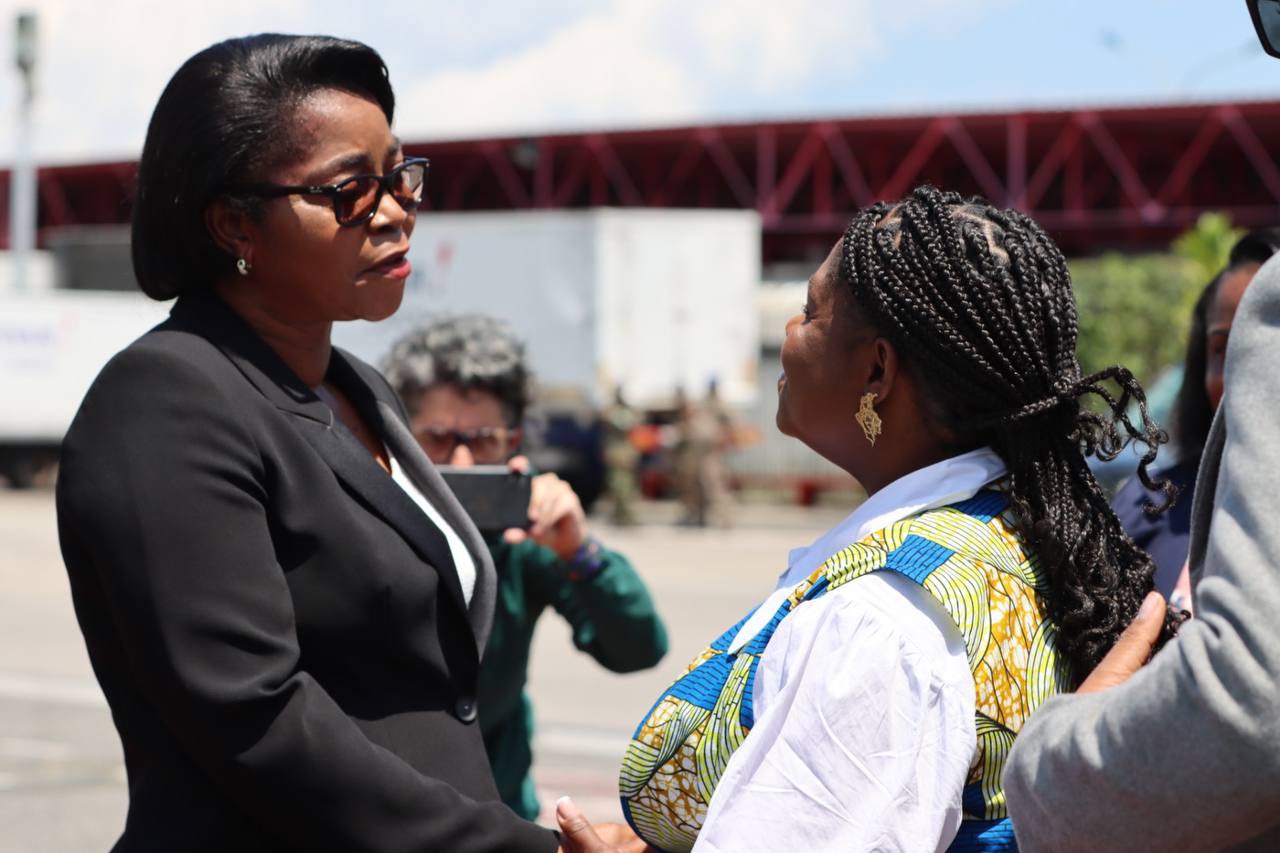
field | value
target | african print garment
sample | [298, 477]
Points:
[971, 559]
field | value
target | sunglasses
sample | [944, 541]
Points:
[356, 199]
[487, 444]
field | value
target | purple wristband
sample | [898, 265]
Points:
[587, 562]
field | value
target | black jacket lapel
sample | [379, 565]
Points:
[378, 405]
[418, 468]
[352, 463]
[211, 318]
[397, 507]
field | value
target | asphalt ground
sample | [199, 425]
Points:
[62, 782]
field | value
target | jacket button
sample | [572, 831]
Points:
[465, 708]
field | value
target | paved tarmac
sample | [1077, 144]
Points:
[62, 785]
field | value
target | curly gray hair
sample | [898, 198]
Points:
[470, 352]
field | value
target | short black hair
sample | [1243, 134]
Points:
[1256, 247]
[1192, 410]
[1192, 413]
[225, 116]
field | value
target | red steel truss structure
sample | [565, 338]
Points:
[1097, 179]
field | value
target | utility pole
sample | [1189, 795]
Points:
[22, 180]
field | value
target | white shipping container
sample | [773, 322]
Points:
[52, 345]
[653, 300]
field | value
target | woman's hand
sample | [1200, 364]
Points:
[579, 836]
[559, 522]
[1132, 650]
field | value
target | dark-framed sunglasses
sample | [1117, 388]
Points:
[487, 444]
[356, 199]
[1266, 23]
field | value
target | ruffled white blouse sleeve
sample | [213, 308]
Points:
[864, 730]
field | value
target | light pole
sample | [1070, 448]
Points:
[22, 181]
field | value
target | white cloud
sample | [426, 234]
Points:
[635, 62]
[768, 46]
[606, 67]
[580, 64]
[102, 65]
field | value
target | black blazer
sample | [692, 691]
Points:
[279, 630]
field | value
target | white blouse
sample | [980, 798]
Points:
[462, 560]
[864, 703]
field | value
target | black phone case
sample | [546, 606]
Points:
[494, 497]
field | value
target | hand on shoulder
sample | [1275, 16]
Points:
[1132, 651]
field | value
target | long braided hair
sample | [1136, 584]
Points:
[978, 302]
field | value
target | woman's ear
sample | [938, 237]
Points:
[231, 227]
[882, 370]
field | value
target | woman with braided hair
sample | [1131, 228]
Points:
[870, 702]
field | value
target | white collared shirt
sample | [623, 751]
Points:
[462, 561]
[864, 702]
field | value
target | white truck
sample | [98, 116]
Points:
[652, 301]
[52, 345]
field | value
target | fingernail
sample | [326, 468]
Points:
[565, 808]
[1151, 605]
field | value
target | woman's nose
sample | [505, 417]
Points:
[390, 214]
[461, 457]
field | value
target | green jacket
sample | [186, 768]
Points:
[613, 620]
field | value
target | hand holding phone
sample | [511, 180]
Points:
[505, 498]
[559, 521]
[496, 497]
[556, 511]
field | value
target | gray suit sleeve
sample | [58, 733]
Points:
[1186, 754]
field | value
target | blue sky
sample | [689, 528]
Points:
[484, 66]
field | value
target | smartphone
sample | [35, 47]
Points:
[495, 497]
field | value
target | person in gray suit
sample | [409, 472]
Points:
[1185, 754]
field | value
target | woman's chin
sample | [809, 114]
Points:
[780, 419]
[389, 297]
[783, 422]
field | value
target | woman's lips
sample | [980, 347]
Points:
[397, 268]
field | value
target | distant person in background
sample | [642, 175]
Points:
[1166, 535]
[705, 433]
[621, 458]
[467, 386]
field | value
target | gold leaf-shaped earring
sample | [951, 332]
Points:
[867, 417]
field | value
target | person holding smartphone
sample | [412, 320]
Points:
[466, 385]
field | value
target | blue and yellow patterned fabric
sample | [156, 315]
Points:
[970, 557]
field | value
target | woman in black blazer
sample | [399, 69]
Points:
[287, 635]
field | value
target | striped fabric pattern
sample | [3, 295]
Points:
[971, 559]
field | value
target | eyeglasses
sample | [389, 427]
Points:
[356, 199]
[487, 444]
